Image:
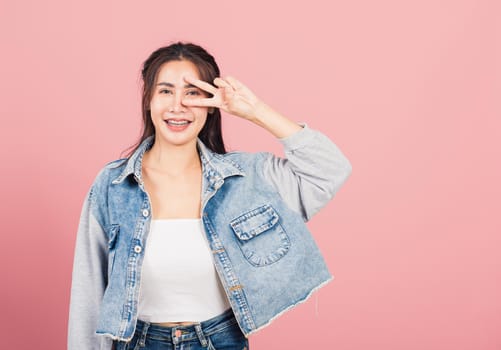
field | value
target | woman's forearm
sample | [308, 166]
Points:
[274, 122]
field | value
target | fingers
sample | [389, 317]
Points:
[235, 84]
[201, 84]
[223, 92]
[199, 102]
[226, 90]
[221, 83]
[229, 82]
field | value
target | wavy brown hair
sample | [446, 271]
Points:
[211, 133]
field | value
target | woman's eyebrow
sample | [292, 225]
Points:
[187, 86]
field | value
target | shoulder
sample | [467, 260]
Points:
[239, 155]
[108, 172]
[245, 160]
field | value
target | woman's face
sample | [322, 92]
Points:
[174, 122]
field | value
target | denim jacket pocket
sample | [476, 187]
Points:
[261, 237]
[113, 231]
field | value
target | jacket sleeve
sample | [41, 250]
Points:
[313, 170]
[89, 280]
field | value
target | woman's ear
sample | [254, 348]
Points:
[210, 110]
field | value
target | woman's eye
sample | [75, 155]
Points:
[193, 93]
[165, 91]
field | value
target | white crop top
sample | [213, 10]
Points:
[179, 282]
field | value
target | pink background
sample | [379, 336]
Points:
[410, 91]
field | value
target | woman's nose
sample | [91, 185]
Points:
[177, 105]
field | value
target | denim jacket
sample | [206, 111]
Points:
[254, 209]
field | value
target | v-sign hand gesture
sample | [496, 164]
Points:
[235, 98]
[229, 95]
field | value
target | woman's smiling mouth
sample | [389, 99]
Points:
[175, 124]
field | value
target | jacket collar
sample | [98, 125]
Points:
[214, 165]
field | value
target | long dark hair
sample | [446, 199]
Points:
[211, 133]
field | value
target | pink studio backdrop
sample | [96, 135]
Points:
[410, 91]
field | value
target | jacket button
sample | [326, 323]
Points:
[138, 249]
[145, 212]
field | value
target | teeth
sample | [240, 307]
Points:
[172, 122]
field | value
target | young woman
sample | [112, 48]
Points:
[185, 245]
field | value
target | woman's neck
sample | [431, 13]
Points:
[174, 160]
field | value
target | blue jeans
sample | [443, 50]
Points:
[218, 333]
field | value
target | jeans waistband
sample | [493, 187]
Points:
[181, 333]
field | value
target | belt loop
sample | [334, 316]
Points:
[200, 334]
[175, 334]
[142, 340]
